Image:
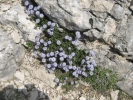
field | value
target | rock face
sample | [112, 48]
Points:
[109, 25]
[11, 56]
[17, 18]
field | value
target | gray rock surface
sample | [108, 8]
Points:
[17, 18]
[11, 56]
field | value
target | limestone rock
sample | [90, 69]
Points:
[118, 12]
[10, 58]
[114, 95]
[17, 18]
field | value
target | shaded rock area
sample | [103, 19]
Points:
[107, 29]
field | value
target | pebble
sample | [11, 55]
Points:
[82, 98]
[114, 94]
[19, 75]
[15, 36]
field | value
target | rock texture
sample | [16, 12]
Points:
[17, 18]
[107, 26]
[10, 58]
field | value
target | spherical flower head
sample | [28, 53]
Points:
[70, 62]
[88, 62]
[61, 59]
[73, 54]
[28, 12]
[83, 61]
[37, 13]
[66, 37]
[74, 73]
[91, 73]
[61, 54]
[53, 59]
[61, 49]
[70, 38]
[75, 43]
[70, 67]
[92, 53]
[49, 23]
[41, 16]
[50, 71]
[56, 80]
[94, 63]
[37, 20]
[77, 33]
[72, 83]
[51, 33]
[91, 68]
[36, 39]
[38, 43]
[35, 8]
[44, 48]
[36, 47]
[51, 53]
[64, 56]
[58, 42]
[55, 64]
[32, 12]
[42, 55]
[70, 57]
[26, 3]
[74, 68]
[69, 48]
[48, 55]
[43, 60]
[38, 7]
[30, 7]
[56, 52]
[49, 42]
[63, 64]
[45, 43]
[48, 65]
[53, 25]
[60, 84]
[44, 26]
[41, 40]
[87, 57]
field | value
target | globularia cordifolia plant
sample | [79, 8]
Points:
[58, 50]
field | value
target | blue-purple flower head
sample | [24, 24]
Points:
[41, 40]
[53, 25]
[48, 65]
[35, 8]
[51, 53]
[38, 7]
[26, 3]
[78, 35]
[43, 60]
[58, 42]
[92, 53]
[49, 23]
[44, 26]
[37, 13]
[36, 47]
[49, 42]
[30, 7]
[37, 20]
[41, 16]
[94, 63]
[31, 12]
[56, 80]
[44, 48]
[42, 55]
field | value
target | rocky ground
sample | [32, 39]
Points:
[32, 82]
